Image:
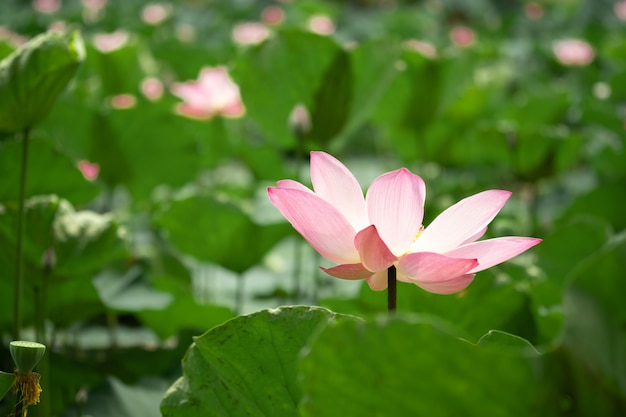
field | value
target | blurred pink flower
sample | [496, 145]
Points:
[272, 15]
[533, 10]
[573, 52]
[250, 33]
[123, 101]
[89, 170]
[92, 9]
[366, 236]
[462, 36]
[46, 6]
[152, 88]
[620, 9]
[155, 13]
[426, 49]
[58, 26]
[214, 93]
[321, 24]
[109, 42]
[185, 32]
[300, 120]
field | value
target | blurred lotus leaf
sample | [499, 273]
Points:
[33, 76]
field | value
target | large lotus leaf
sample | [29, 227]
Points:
[118, 71]
[594, 334]
[270, 86]
[558, 256]
[6, 382]
[222, 233]
[247, 366]
[604, 202]
[413, 366]
[34, 75]
[352, 86]
[132, 149]
[50, 171]
[374, 66]
[332, 102]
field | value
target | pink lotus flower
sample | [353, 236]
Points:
[574, 52]
[462, 36]
[213, 94]
[109, 42]
[89, 170]
[321, 24]
[250, 33]
[46, 6]
[152, 88]
[366, 236]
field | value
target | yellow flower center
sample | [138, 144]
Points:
[419, 233]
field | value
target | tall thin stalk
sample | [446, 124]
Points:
[391, 289]
[19, 261]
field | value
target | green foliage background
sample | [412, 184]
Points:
[176, 235]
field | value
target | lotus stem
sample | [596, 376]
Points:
[391, 289]
[17, 299]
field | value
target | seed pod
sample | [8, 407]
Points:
[26, 355]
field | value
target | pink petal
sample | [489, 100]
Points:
[378, 281]
[186, 110]
[431, 268]
[348, 271]
[375, 255]
[333, 182]
[494, 251]
[191, 92]
[461, 222]
[395, 204]
[234, 110]
[318, 222]
[449, 286]
[476, 236]
[292, 184]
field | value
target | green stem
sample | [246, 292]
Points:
[391, 289]
[19, 262]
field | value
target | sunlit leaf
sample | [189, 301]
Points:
[225, 368]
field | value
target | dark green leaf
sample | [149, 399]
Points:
[411, 366]
[270, 85]
[218, 232]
